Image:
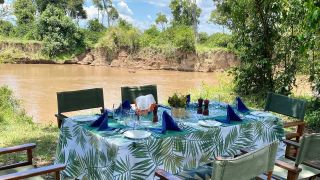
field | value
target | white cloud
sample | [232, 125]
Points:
[92, 12]
[124, 8]
[149, 17]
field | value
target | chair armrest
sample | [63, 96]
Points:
[292, 143]
[164, 175]
[17, 148]
[293, 123]
[34, 172]
[288, 167]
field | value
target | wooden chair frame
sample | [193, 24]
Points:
[28, 173]
[69, 101]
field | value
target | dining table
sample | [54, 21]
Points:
[113, 154]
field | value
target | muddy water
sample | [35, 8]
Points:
[36, 85]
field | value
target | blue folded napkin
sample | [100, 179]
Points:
[168, 123]
[124, 106]
[241, 106]
[98, 122]
[231, 116]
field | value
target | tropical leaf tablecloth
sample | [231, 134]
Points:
[91, 154]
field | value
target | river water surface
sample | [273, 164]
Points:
[36, 85]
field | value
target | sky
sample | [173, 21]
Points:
[142, 13]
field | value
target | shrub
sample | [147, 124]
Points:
[95, 26]
[116, 38]
[218, 40]
[59, 34]
[313, 120]
[183, 38]
[6, 28]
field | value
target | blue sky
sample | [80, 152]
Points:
[142, 13]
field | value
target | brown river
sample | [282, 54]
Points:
[36, 85]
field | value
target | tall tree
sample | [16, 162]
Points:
[267, 40]
[24, 10]
[75, 9]
[162, 20]
[185, 12]
[106, 6]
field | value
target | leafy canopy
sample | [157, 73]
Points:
[59, 34]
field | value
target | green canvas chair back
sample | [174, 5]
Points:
[247, 166]
[131, 93]
[79, 100]
[285, 105]
[309, 149]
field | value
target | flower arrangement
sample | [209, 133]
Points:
[178, 101]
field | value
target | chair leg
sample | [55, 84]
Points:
[300, 130]
[292, 176]
[59, 122]
[269, 174]
[57, 175]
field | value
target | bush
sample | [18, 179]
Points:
[313, 120]
[218, 40]
[150, 37]
[116, 38]
[59, 34]
[6, 28]
[183, 38]
[95, 26]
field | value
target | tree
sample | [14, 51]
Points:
[95, 26]
[112, 15]
[6, 28]
[267, 40]
[107, 7]
[75, 9]
[58, 33]
[24, 10]
[162, 20]
[42, 4]
[185, 12]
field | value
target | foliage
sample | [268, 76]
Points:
[95, 26]
[59, 34]
[313, 121]
[123, 36]
[177, 101]
[17, 128]
[183, 38]
[184, 12]
[312, 43]
[162, 20]
[24, 10]
[6, 28]
[75, 9]
[203, 37]
[216, 40]
[265, 40]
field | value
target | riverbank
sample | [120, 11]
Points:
[214, 59]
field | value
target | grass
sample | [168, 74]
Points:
[18, 40]
[17, 128]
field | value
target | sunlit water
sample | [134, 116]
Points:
[36, 85]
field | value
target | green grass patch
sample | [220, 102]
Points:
[17, 128]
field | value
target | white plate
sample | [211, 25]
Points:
[209, 123]
[137, 134]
